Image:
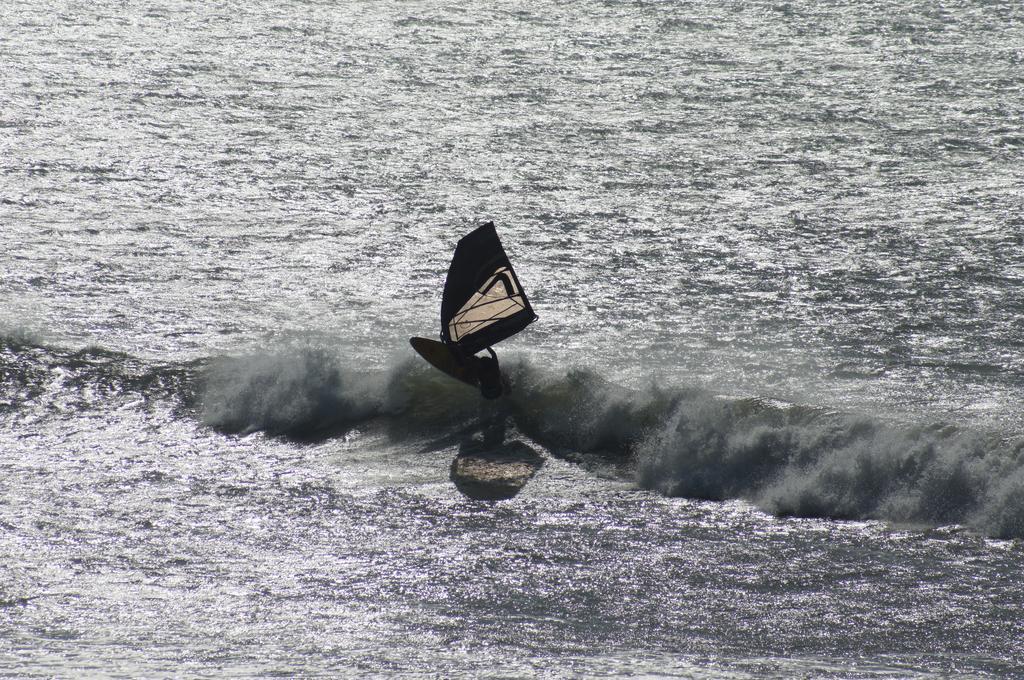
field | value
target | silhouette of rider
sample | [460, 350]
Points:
[490, 375]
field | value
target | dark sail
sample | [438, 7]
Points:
[483, 301]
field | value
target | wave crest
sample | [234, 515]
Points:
[814, 463]
[300, 394]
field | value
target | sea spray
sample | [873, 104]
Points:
[1002, 514]
[716, 448]
[580, 411]
[308, 393]
[298, 393]
[816, 463]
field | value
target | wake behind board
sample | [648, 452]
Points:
[441, 358]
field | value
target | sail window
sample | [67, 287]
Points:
[497, 299]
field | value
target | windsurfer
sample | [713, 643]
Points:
[490, 375]
[483, 303]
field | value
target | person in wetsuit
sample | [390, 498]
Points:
[489, 375]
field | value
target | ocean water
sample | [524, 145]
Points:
[776, 251]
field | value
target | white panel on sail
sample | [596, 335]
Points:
[492, 302]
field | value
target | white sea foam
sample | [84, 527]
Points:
[296, 393]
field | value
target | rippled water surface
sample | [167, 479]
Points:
[776, 253]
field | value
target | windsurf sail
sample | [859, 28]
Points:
[483, 301]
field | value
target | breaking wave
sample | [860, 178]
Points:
[785, 459]
[298, 394]
[813, 463]
[788, 460]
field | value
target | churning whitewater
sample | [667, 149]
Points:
[771, 403]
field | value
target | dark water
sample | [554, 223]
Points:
[776, 252]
